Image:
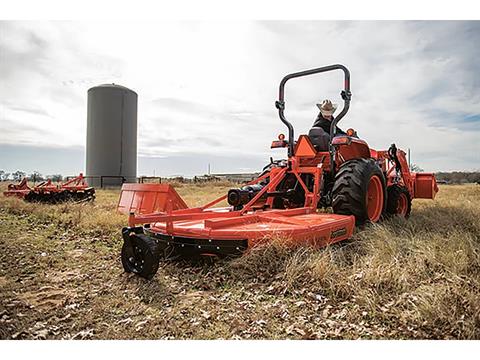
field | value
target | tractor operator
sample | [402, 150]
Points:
[320, 132]
[325, 117]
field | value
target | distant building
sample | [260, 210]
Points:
[243, 177]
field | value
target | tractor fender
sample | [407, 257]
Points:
[349, 148]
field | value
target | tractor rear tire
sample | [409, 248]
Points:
[141, 255]
[399, 201]
[359, 190]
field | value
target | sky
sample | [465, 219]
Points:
[206, 90]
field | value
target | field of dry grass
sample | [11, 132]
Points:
[61, 278]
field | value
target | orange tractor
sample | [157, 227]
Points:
[358, 183]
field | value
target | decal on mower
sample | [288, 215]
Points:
[338, 232]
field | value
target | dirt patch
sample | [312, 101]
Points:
[46, 298]
[63, 276]
[76, 253]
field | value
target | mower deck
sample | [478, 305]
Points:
[222, 231]
[317, 229]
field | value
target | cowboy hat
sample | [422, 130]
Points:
[327, 108]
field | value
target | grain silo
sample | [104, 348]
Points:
[111, 135]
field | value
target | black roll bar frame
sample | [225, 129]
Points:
[346, 96]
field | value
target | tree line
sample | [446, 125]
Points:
[34, 176]
[454, 177]
[458, 177]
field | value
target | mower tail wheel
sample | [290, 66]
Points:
[359, 190]
[141, 255]
[399, 201]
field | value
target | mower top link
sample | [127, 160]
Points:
[358, 183]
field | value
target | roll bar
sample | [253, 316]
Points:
[346, 96]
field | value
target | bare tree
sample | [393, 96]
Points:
[56, 177]
[415, 168]
[18, 175]
[35, 176]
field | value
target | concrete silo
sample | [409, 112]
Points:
[111, 135]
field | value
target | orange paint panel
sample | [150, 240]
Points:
[149, 198]
[316, 229]
[355, 150]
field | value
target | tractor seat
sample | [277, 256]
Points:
[319, 138]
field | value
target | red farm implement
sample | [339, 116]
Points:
[76, 190]
[290, 199]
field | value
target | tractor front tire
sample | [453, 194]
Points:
[399, 201]
[359, 190]
[141, 255]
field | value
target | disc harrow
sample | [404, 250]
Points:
[74, 190]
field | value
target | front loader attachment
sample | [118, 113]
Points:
[425, 185]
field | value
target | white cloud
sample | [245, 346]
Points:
[210, 87]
